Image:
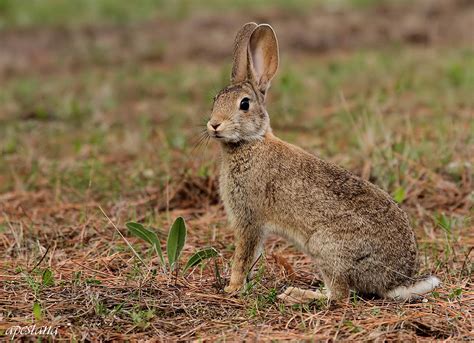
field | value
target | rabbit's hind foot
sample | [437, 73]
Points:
[294, 295]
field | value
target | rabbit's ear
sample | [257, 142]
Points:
[240, 68]
[263, 56]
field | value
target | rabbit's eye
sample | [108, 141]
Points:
[245, 104]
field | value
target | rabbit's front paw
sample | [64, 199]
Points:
[232, 288]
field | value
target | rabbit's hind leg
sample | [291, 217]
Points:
[337, 286]
[333, 262]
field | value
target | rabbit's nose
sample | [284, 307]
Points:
[212, 126]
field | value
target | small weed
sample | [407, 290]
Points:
[354, 299]
[271, 296]
[100, 309]
[47, 278]
[141, 318]
[257, 278]
[76, 279]
[253, 311]
[352, 327]
[263, 301]
[174, 245]
[447, 224]
[33, 284]
[455, 294]
[375, 311]
[92, 281]
[117, 309]
[319, 304]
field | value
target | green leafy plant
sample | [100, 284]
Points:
[176, 240]
[174, 244]
[147, 235]
[200, 256]
[36, 284]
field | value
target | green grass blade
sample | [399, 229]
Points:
[200, 256]
[176, 240]
[47, 278]
[37, 312]
[147, 235]
[399, 195]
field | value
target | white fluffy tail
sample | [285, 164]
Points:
[415, 290]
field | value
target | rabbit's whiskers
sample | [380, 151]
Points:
[202, 140]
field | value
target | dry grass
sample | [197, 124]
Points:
[102, 292]
[100, 128]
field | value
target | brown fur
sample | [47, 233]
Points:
[358, 236]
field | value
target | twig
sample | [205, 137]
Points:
[466, 258]
[123, 237]
[41, 260]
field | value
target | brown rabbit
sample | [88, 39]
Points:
[359, 237]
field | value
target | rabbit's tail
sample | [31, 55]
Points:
[422, 285]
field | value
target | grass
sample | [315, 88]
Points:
[335, 104]
[37, 13]
[122, 136]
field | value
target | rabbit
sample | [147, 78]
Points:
[359, 237]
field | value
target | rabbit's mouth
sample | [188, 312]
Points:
[216, 135]
[223, 138]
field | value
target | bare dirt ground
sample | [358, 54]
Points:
[53, 184]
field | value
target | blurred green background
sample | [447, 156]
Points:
[88, 83]
[84, 12]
